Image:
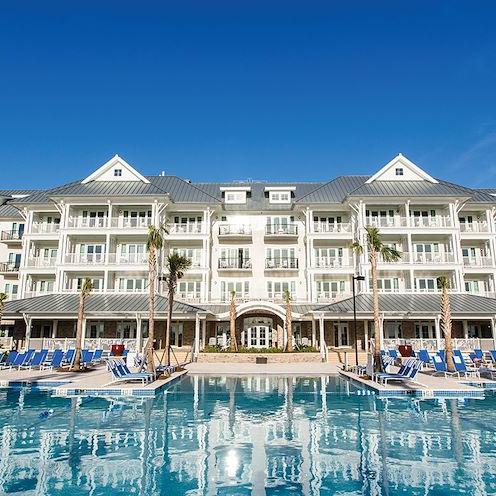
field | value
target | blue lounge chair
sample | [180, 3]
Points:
[97, 356]
[120, 375]
[393, 354]
[69, 356]
[441, 368]
[10, 360]
[36, 361]
[19, 360]
[405, 374]
[86, 357]
[461, 366]
[424, 357]
[56, 360]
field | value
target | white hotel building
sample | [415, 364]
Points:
[258, 239]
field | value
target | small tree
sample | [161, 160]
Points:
[86, 289]
[443, 285]
[176, 265]
[289, 321]
[376, 248]
[233, 345]
[154, 243]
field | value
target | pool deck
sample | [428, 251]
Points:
[428, 386]
[95, 382]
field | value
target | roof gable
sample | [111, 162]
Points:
[401, 169]
[116, 169]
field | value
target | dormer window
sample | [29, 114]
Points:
[399, 171]
[117, 172]
[279, 196]
[235, 194]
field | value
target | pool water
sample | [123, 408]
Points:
[248, 435]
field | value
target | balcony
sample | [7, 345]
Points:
[84, 258]
[477, 262]
[8, 267]
[474, 227]
[386, 222]
[439, 221]
[235, 230]
[404, 259]
[87, 222]
[45, 228]
[131, 222]
[288, 263]
[234, 263]
[11, 236]
[283, 230]
[326, 296]
[41, 262]
[338, 227]
[128, 258]
[280, 296]
[433, 258]
[332, 262]
[193, 297]
[189, 228]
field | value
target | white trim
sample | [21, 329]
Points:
[115, 160]
[280, 188]
[402, 160]
[235, 188]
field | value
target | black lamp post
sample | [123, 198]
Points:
[355, 278]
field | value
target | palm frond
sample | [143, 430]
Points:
[86, 287]
[442, 282]
[357, 247]
[155, 238]
[389, 254]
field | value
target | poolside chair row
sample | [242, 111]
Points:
[121, 372]
[407, 372]
[39, 359]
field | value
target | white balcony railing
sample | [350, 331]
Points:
[404, 258]
[332, 262]
[331, 227]
[386, 222]
[189, 228]
[192, 296]
[478, 226]
[433, 258]
[87, 222]
[128, 258]
[477, 262]
[235, 230]
[131, 222]
[431, 222]
[40, 262]
[45, 228]
[325, 296]
[85, 258]
[278, 296]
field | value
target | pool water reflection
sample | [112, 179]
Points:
[246, 435]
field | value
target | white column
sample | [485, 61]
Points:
[139, 333]
[27, 320]
[493, 330]
[55, 326]
[366, 334]
[465, 329]
[204, 333]
[197, 335]
[437, 322]
[321, 332]
[314, 332]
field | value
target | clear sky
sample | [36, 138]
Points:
[247, 89]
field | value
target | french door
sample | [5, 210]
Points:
[341, 335]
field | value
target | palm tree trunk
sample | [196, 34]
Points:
[446, 327]
[233, 345]
[375, 303]
[79, 334]
[289, 328]
[169, 320]
[152, 276]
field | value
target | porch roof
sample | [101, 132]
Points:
[68, 304]
[415, 304]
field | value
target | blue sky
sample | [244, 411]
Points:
[234, 90]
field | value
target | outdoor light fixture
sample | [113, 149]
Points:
[355, 278]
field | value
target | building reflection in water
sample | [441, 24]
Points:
[255, 435]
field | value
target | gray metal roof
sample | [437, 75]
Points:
[334, 191]
[8, 211]
[12, 192]
[67, 304]
[420, 303]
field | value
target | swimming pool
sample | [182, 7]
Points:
[246, 435]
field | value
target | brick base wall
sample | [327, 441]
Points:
[251, 357]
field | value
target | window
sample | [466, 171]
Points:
[277, 289]
[189, 289]
[426, 284]
[117, 172]
[132, 285]
[399, 171]
[235, 197]
[329, 289]
[241, 288]
[279, 196]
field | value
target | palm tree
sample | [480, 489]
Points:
[85, 291]
[289, 321]
[443, 285]
[154, 243]
[3, 297]
[176, 265]
[376, 248]
[233, 345]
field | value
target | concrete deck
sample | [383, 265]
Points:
[302, 369]
[97, 381]
[428, 386]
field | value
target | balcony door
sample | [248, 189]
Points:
[177, 334]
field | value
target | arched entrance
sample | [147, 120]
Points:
[258, 332]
